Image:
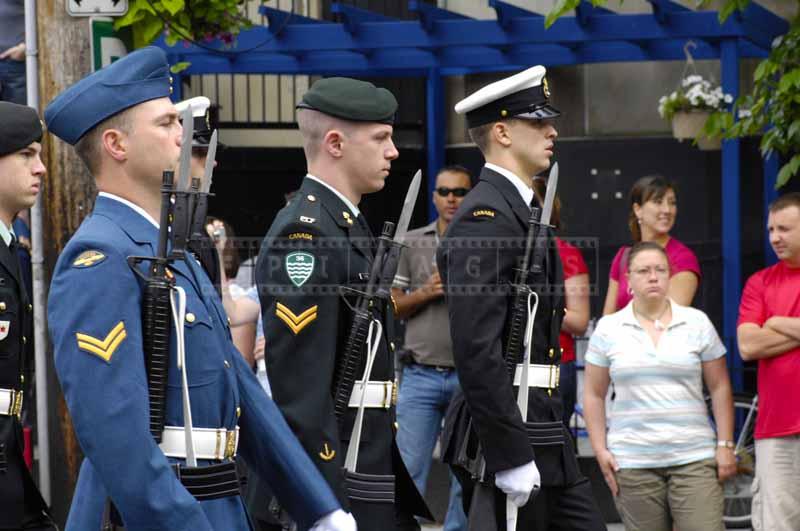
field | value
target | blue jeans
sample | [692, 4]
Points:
[424, 396]
[12, 82]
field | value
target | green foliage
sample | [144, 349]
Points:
[773, 106]
[564, 6]
[183, 20]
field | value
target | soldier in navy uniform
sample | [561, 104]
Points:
[511, 121]
[126, 130]
[318, 244]
[204, 248]
[21, 174]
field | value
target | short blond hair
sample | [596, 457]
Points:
[314, 125]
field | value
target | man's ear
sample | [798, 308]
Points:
[501, 133]
[115, 143]
[332, 143]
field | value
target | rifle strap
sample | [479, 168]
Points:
[178, 315]
[374, 335]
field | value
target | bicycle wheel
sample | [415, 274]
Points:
[736, 491]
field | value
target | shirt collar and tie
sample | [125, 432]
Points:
[7, 234]
[524, 190]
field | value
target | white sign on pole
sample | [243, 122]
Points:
[87, 8]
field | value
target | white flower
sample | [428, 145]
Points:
[745, 113]
[728, 98]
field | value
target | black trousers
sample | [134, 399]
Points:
[569, 508]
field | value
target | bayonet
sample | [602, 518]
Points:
[530, 309]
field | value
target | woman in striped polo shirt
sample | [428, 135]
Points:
[660, 456]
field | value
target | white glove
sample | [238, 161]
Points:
[518, 482]
[338, 520]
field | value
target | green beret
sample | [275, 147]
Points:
[21, 127]
[350, 99]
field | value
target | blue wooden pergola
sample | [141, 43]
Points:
[443, 43]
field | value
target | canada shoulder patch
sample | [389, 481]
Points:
[88, 258]
[301, 236]
[483, 213]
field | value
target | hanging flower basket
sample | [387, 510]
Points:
[689, 124]
[690, 105]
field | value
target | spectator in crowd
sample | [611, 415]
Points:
[429, 378]
[242, 320]
[659, 457]
[576, 316]
[769, 331]
[652, 216]
[13, 86]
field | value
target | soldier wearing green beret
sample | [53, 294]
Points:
[318, 248]
[21, 174]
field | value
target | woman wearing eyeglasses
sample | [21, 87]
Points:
[651, 218]
[660, 456]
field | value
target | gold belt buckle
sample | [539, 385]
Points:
[16, 404]
[230, 444]
[218, 446]
[388, 394]
[555, 376]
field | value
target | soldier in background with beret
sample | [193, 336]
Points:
[318, 244]
[511, 121]
[21, 174]
[126, 130]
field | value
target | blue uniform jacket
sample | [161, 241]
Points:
[94, 314]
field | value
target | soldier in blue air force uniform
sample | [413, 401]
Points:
[126, 130]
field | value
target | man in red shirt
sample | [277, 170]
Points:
[769, 331]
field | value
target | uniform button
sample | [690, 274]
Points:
[24, 340]
[30, 307]
[391, 345]
[229, 322]
[2, 306]
[227, 364]
[311, 198]
[552, 353]
[190, 317]
[238, 412]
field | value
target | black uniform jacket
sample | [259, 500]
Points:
[17, 488]
[314, 248]
[483, 245]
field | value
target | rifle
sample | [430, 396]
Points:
[384, 267]
[156, 310]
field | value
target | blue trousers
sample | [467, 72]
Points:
[425, 394]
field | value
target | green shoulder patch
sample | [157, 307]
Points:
[299, 266]
[88, 259]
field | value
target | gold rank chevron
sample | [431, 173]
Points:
[103, 348]
[296, 322]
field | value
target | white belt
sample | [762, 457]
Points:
[10, 402]
[378, 394]
[544, 376]
[210, 443]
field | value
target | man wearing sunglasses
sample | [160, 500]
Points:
[512, 123]
[429, 378]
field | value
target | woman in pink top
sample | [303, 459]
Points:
[652, 216]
